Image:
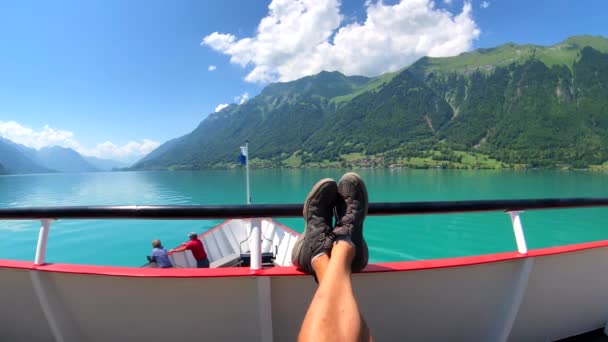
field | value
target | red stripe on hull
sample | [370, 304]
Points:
[398, 266]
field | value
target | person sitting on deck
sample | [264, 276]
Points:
[159, 255]
[331, 253]
[198, 250]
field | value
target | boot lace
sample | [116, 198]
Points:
[346, 221]
[324, 234]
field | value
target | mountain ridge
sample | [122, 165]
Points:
[495, 105]
[63, 159]
[562, 53]
[19, 159]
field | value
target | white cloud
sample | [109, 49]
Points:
[484, 4]
[221, 106]
[447, 2]
[300, 38]
[211, 68]
[242, 98]
[26, 136]
[49, 136]
[129, 151]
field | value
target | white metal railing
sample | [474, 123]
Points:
[518, 230]
[513, 207]
[256, 235]
[43, 237]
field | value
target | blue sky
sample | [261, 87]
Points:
[115, 78]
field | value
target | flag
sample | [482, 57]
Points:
[243, 155]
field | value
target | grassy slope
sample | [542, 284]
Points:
[374, 84]
[564, 53]
[433, 159]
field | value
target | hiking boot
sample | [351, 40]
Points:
[317, 237]
[351, 209]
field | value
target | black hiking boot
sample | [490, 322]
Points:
[317, 237]
[351, 209]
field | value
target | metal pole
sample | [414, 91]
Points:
[247, 170]
[43, 236]
[255, 244]
[518, 230]
[189, 212]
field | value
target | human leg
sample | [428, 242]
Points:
[204, 263]
[333, 314]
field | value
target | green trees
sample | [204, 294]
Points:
[521, 105]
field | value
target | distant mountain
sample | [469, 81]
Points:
[105, 164]
[3, 171]
[525, 105]
[19, 159]
[63, 159]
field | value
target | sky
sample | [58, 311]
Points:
[115, 78]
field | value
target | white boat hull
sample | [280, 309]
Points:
[550, 294]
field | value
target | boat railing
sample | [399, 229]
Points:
[246, 254]
[149, 212]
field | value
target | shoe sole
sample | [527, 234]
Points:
[297, 247]
[356, 179]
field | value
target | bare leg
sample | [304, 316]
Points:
[333, 314]
[320, 266]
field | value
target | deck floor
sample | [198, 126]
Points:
[592, 336]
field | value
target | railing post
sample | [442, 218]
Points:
[43, 236]
[509, 309]
[518, 230]
[255, 244]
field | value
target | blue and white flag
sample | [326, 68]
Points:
[243, 155]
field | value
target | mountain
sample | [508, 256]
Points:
[105, 164]
[278, 121]
[18, 159]
[513, 105]
[63, 159]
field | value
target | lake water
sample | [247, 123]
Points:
[126, 242]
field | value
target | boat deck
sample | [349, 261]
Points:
[592, 336]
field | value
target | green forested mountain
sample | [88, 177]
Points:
[519, 105]
[277, 122]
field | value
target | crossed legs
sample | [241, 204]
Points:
[332, 252]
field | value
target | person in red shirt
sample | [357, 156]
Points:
[198, 250]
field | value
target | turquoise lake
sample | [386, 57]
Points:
[394, 238]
